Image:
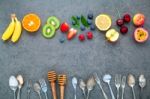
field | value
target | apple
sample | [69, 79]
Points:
[71, 34]
[112, 35]
[139, 19]
[141, 35]
[64, 27]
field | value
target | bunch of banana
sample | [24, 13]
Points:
[13, 30]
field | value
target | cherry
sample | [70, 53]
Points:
[123, 29]
[120, 22]
[81, 37]
[127, 18]
[89, 35]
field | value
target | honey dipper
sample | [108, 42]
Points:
[62, 82]
[52, 80]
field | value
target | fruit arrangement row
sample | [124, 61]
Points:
[16, 84]
[86, 25]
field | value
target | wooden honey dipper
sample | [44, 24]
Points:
[52, 79]
[62, 82]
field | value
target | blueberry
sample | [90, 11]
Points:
[82, 28]
[92, 27]
[89, 21]
[73, 23]
[61, 40]
[90, 16]
[78, 17]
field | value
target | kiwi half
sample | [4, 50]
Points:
[49, 31]
[54, 21]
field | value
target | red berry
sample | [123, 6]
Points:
[64, 27]
[123, 29]
[127, 18]
[89, 35]
[81, 37]
[120, 22]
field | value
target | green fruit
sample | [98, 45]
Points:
[54, 21]
[49, 31]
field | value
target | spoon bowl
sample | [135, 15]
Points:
[142, 81]
[13, 83]
[107, 78]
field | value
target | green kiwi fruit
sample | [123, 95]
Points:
[49, 31]
[54, 21]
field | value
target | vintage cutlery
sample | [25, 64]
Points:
[82, 85]
[37, 89]
[131, 83]
[20, 84]
[107, 79]
[74, 84]
[118, 83]
[90, 85]
[29, 86]
[43, 87]
[13, 83]
[100, 86]
[142, 83]
[123, 84]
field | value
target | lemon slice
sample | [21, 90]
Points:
[103, 22]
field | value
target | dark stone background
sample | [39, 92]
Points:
[34, 55]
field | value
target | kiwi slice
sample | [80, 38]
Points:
[49, 31]
[54, 21]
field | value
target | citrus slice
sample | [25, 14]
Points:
[103, 22]
[31, 22]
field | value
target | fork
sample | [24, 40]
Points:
[118, 83]
[100, 85]
[123, 84]
[43, 87]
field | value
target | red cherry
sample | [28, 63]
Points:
[127, 18]
[123, 29]
[120, 22]
[81, 37]
[89, 35]
[64, 27]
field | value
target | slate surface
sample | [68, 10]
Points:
[34, 55]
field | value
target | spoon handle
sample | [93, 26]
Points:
[112, 94]
[122, 93]
[14, 94]
[18, 96]
[75, 97]
[88, 94]
[141, 93]
[39, 95]
[46, 95]
[104, 94]
[133, 93]
[28, 95]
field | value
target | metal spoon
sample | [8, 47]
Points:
[74, 84]
[13, 83]
[90, 85]
[142, 83]
[43, 87]
[131, 83]
[37, 89]
[107, 79]
[29, 85]
[20, 81]
[82, 85]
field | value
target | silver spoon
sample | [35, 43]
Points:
[107, 79]
[142, 83]
[74, 84]
[131, 83]
[90, 85]
[37, 89]
[82, 85]
[13, 83]
[43, 86]
[29, 86]
[20, 81]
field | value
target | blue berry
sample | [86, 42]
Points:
[89, 21]
[61, 40]
[82, 28]
[90, 16]
[92, 27]
[78, 17]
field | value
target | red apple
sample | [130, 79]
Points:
[64, 27]
[71, 34]
[139, 19]
[141, 35]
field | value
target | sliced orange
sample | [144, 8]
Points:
[31, 22]
[103, 22]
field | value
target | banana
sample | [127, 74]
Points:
[9, 31]
[17, 32]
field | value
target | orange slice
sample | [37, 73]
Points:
[31, 22]
[103, 22]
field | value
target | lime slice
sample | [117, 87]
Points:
[103, 22]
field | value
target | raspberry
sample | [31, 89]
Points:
[81, 37]
[89, 35]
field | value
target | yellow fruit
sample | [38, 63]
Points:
[103, 22]
[9, 31]
[112, 35]
[17, 32]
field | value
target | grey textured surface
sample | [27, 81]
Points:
[34, 55]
